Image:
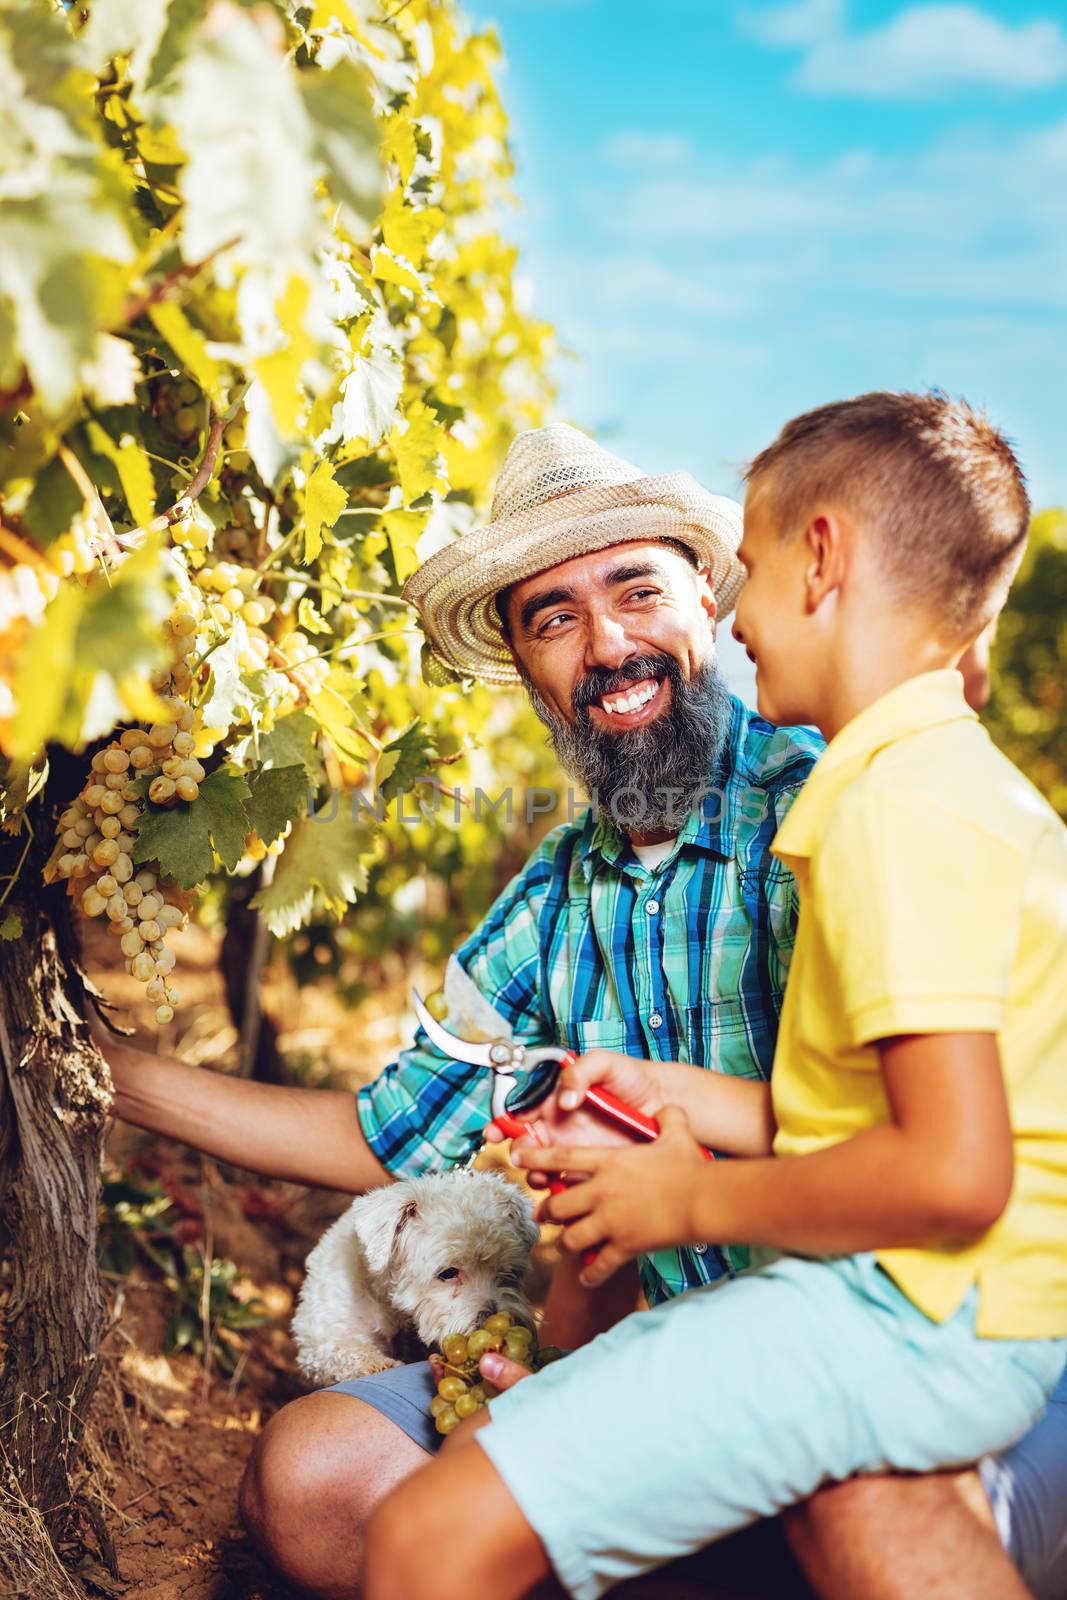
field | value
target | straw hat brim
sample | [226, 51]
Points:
[455, 590]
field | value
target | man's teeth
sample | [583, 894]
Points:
[630, 702]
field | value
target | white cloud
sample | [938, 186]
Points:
[924, 52]
[976, 218]
[649, 152]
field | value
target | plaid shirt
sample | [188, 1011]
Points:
[586, 947]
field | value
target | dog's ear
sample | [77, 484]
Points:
[380, 1218]
[520, 1212]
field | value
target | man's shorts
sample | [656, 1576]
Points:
[402, 1394]
[732, 1402]
[1027, 1488]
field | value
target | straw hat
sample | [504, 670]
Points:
[560, 495]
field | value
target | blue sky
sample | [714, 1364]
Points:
[733, 212]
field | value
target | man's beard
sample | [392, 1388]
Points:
[650, 778]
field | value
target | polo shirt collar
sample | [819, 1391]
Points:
[919, 703]
[712, 828]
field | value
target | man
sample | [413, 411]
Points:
[659, 925]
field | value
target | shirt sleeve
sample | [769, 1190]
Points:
[920, 909]
[425, 1111]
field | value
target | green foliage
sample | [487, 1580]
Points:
[257, 323]
[210, 1301]
[1027, 715]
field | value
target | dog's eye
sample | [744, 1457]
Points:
[449, 1272]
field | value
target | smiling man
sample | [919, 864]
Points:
[656, 923]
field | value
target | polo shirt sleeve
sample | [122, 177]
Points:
[425, 1111]
[920, 910]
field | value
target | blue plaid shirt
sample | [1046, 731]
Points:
[587, 947]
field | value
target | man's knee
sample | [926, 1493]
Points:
[313, 1479]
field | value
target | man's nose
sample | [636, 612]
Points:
[607, 643]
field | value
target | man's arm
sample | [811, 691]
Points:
[302, 1135]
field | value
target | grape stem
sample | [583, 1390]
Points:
[159, 291]
[135, 537]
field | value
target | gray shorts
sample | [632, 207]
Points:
[1027, 1485]
[402, 1394]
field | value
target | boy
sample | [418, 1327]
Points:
[914, 1316]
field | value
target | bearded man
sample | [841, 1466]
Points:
[657, 924]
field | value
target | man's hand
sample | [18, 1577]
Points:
[559, 1119]
[633, 1201]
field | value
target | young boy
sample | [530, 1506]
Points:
[912, 1310]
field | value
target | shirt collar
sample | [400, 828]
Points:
[919, 703]
[713, 827]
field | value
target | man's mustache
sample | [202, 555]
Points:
[600, 681]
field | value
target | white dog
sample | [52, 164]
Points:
[407, 1264]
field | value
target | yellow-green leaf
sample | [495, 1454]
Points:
[324, 500]
[188, 344]
[279, 372]
[417, 443]
[133, 469]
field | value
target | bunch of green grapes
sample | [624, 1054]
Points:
[461, 1391]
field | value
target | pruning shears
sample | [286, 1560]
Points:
[540, 1065]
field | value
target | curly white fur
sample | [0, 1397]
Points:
[424, 1257]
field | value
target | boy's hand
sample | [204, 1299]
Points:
[633, 1200]
[560, 1121]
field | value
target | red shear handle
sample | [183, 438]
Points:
[626, 1115]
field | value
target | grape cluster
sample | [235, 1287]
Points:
[97, 836]
[461, 1391]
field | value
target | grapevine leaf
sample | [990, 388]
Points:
[417, 443]
[188, 344]
[11, 927]
[89, 646]
[132, 466]
[292, 739]
[278, 796]
[324, 501]
[234, 93]
[405, 758]
[186, 839]
[227, 690]
[321, 863]
[341, 712]
[346, 140]
[222, 802]
[280, 371]
[369, 397]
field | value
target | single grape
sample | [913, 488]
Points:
[437, 1405]
[499, 1322]
[450, 1389]
[479, 1342]
[466, 1405]
[447, 1420]
[547, 1354]
[454, 1349]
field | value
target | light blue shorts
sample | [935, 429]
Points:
[734, 1401]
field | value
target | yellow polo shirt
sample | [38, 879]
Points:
[933, 899]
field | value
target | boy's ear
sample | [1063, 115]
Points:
[828, 548]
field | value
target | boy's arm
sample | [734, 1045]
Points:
[726, 1113]
[940, 1170]
[303, 1135]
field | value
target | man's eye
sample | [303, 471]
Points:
[449, 1272]
[550, 625]
[644, 594]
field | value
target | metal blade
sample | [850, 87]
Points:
[476, 1055]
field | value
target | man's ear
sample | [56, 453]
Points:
[706, 595]
[828, 549]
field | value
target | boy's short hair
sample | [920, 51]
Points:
[937, 484]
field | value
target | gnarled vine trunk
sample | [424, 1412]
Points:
[55, 1090]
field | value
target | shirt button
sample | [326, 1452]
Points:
[652, 906]
[701, 1249]
[655, 1020]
